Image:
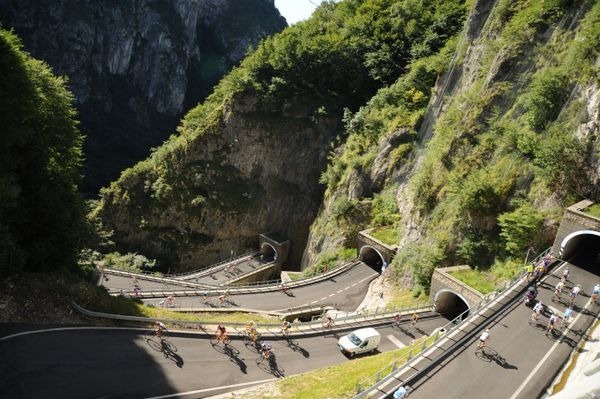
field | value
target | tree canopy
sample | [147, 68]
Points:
[40, 155]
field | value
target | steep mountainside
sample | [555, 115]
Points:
[509, 138]
[136, 66]
[248, 160]
[41, 214]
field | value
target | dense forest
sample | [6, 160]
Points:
[41, 213]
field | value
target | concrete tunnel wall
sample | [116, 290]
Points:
[372, 257]
[571, 242]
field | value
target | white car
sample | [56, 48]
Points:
[360, 341]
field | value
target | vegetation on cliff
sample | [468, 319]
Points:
[505, 156]
[296, 81]
[41, 214]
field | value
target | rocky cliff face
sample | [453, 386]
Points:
[136, 66]
[217, 193]
[513, 119]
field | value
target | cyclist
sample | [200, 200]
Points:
[551, 322]
[329, 322]
[221, 333]
[170, 300]
[537, 309]
[414, 318]
[251, 330]
[401, 393]
[397, 319]
[159, 328]
[558, 290]
[483, 337]
[567, 315]
[546, 261]
[595, 293]
[529, 270]
[266, 350]
[538, 272]
[574, 292]
[565, 274]
[283, 288]
[285, 327]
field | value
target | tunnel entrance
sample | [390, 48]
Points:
[268, 253]
[582, 249]
[450, 304]
[372, 257]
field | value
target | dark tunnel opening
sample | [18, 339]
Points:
[268, 253]
[583, 251]
[371, 257]
[450, 305]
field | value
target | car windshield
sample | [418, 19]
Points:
[354, 339]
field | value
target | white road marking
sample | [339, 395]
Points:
[330, 295]
[68, 329]
[339, 291]
[396, 341]
[541, 362]
[174, 395]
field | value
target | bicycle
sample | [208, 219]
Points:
[328, 322]
[151, 334]
[224, 338]
[251, 337]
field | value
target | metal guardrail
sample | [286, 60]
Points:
[215, 267]
[269, 328]
[187, 274]
[383, 374]
[232, 282]
[373, 380]
[164, 280]
[213, 290]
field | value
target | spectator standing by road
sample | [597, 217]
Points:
[485, 335]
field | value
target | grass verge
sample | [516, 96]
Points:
[346, 376]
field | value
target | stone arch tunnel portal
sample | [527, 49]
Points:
[582, 248]
[450, 304]
[267, 252]
[372, 257]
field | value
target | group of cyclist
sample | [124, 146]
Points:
[554, 318]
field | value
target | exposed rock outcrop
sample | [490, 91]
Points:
[136, 66]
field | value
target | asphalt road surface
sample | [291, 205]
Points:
[121, 363]
[345, 290]
[520, 357]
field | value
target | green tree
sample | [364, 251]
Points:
[40, 154]
[520, 228]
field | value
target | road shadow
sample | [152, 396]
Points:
[489, 354]
[294, 346]
[233, 354]
[167, 348]
[270, 366]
